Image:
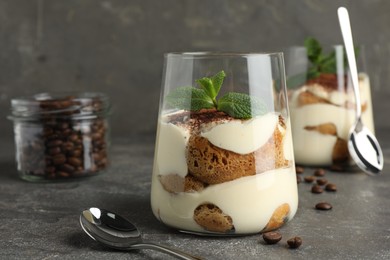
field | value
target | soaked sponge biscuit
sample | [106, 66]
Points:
[325, 129]
[340, 152]
[213, 165]
[174, 183]
[211, 218]
[307, 98]
[278, 218]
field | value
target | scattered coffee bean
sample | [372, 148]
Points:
[323, 206]
[299, 179]
[309, 179]
[337, 168]
[272, 237]
[294, 242]
[330, 187]
[319, 172]
[299, 169]
[322, 181]
[316, 189]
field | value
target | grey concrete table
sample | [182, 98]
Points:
[40, 221]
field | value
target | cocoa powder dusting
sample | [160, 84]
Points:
[329, 81]
[194, 119]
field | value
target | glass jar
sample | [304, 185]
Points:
[61, 136]
[322, 105]
[224, 162]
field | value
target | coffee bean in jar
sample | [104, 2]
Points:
[61, 136]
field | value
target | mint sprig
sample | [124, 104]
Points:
[237, 105]
[320, 63]
[189, 97]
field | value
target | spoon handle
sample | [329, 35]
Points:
[345, 27]
[174, 252]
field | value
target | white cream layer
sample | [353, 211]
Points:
[242, 136]
[250, 201]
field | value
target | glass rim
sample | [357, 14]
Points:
[222, 54]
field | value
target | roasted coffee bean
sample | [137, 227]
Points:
[66, 103]
[66, 132]
[330, 187]
[96, 156]
[54, 150]
[63, 174]
[272, 237]
[323, 206]
[337, 168]
[68, 146]
[299, 179]
[67, 168]
[59, 159]
[54, 143]
[75, 153]
[73, 137]
[294, 242]
[96, 136]
[322, 181]
[53, 137]
[76, 162]
[309, 179]
[299, 169]
[316, 189]
[319, 172]
[62, 126]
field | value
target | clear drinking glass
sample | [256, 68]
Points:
[322, 105]
[224, 161]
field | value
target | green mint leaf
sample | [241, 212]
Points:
[240, 105]
[207, 85]
[212, 85]
[314, 50]
[313, 73]
[328, 64]
[189, 98]
[217, 80]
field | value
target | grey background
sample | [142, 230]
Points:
[117, 47]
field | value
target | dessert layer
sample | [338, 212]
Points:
[242, 136]
[249, 201]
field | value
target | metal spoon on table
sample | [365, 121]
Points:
[362, 144]
[117, 232]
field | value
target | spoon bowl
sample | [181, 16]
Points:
[363, 147]
[117, 232]
[362, 140]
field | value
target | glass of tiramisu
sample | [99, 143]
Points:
[224, 162]
[322, 104]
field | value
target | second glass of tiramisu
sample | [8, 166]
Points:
[322, 104]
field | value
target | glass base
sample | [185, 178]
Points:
[215, 234]
[45, 179]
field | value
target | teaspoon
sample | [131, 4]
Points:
[117, 232]
[362, 144]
